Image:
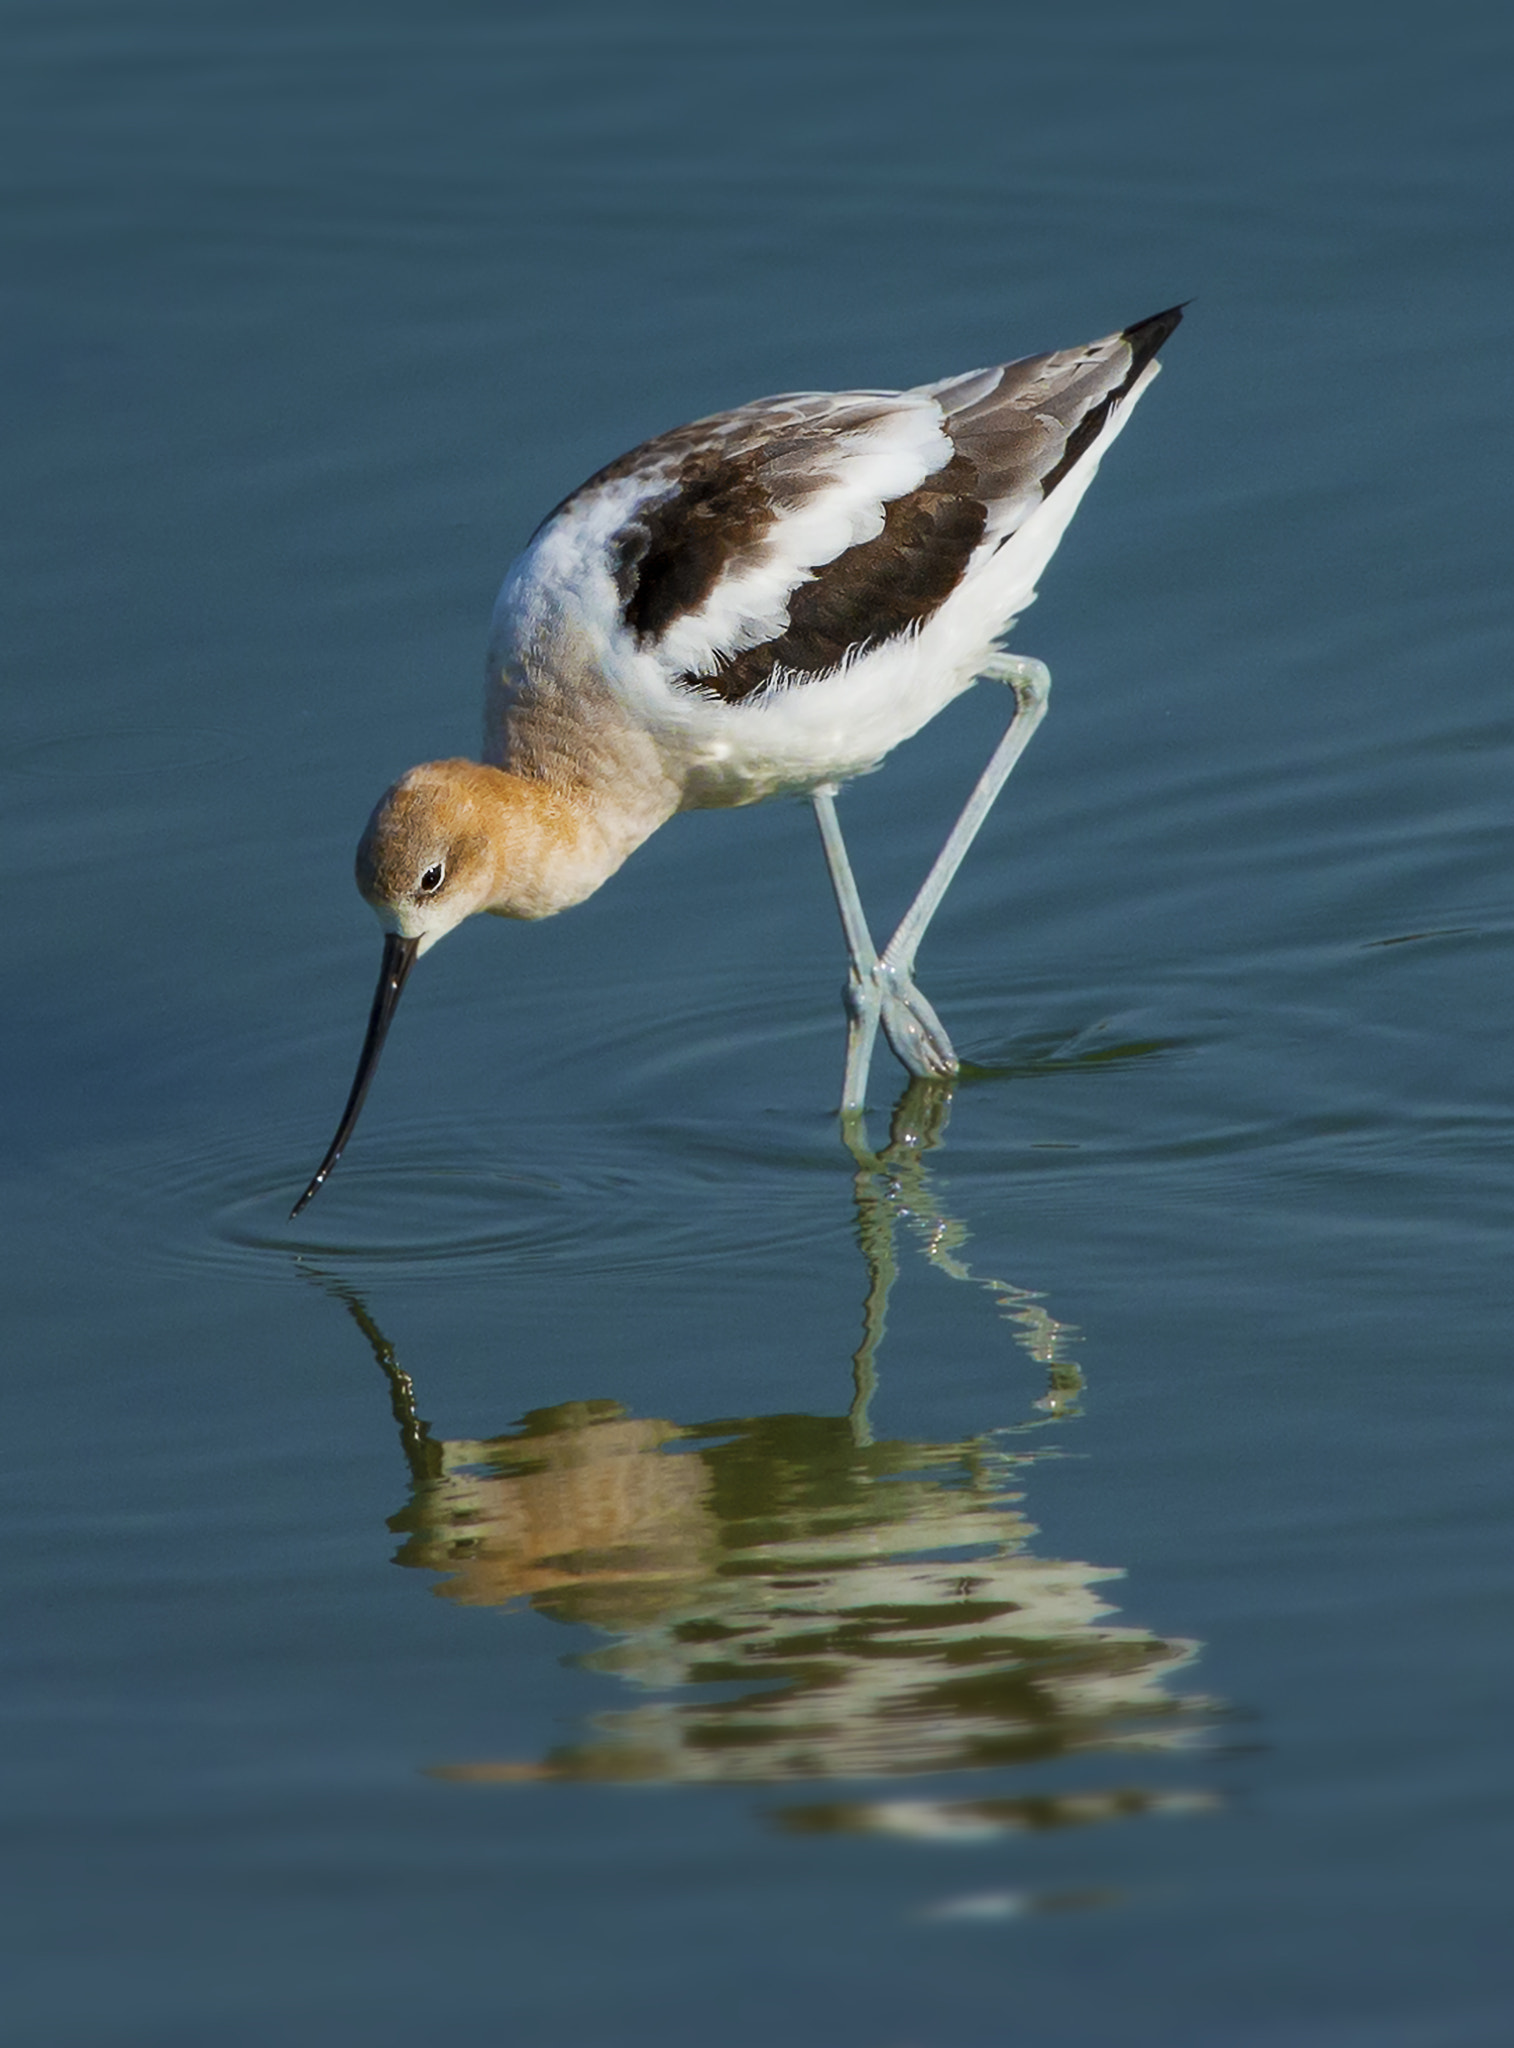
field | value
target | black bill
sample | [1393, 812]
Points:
[399, 958]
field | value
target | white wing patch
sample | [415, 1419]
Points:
[863, 469]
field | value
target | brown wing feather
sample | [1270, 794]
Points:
[879, 588]
[720, 486]
[1015, 442]
[1029, 430]
[723, 504]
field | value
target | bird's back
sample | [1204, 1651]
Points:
[776, 595]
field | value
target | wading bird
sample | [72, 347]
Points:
[761, 604]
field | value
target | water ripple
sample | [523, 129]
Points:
[422, 1201]
[127, 751]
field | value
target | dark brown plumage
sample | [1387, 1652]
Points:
[871, 592]
[724, 485]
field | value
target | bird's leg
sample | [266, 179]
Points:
[1031, 682]
[875, 992]
[880, 987]
[862, 999]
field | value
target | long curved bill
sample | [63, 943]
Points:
[399, 958]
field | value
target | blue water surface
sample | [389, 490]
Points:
[624, 1569]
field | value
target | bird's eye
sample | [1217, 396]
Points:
[432, 879]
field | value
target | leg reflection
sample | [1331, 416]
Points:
[894, 1187]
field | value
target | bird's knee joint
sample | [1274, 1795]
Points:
[1028, 678]
[860, 998]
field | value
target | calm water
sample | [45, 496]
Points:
[623, 1570]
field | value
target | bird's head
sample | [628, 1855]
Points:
[426, 859]
[451, 838]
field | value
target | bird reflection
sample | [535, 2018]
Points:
[791, 1598]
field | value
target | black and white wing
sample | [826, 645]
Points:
[778, 542]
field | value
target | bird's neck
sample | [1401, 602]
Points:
[554, 843]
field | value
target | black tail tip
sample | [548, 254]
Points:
[1147, 336]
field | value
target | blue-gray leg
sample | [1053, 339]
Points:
[880, 986]
[863, 996]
